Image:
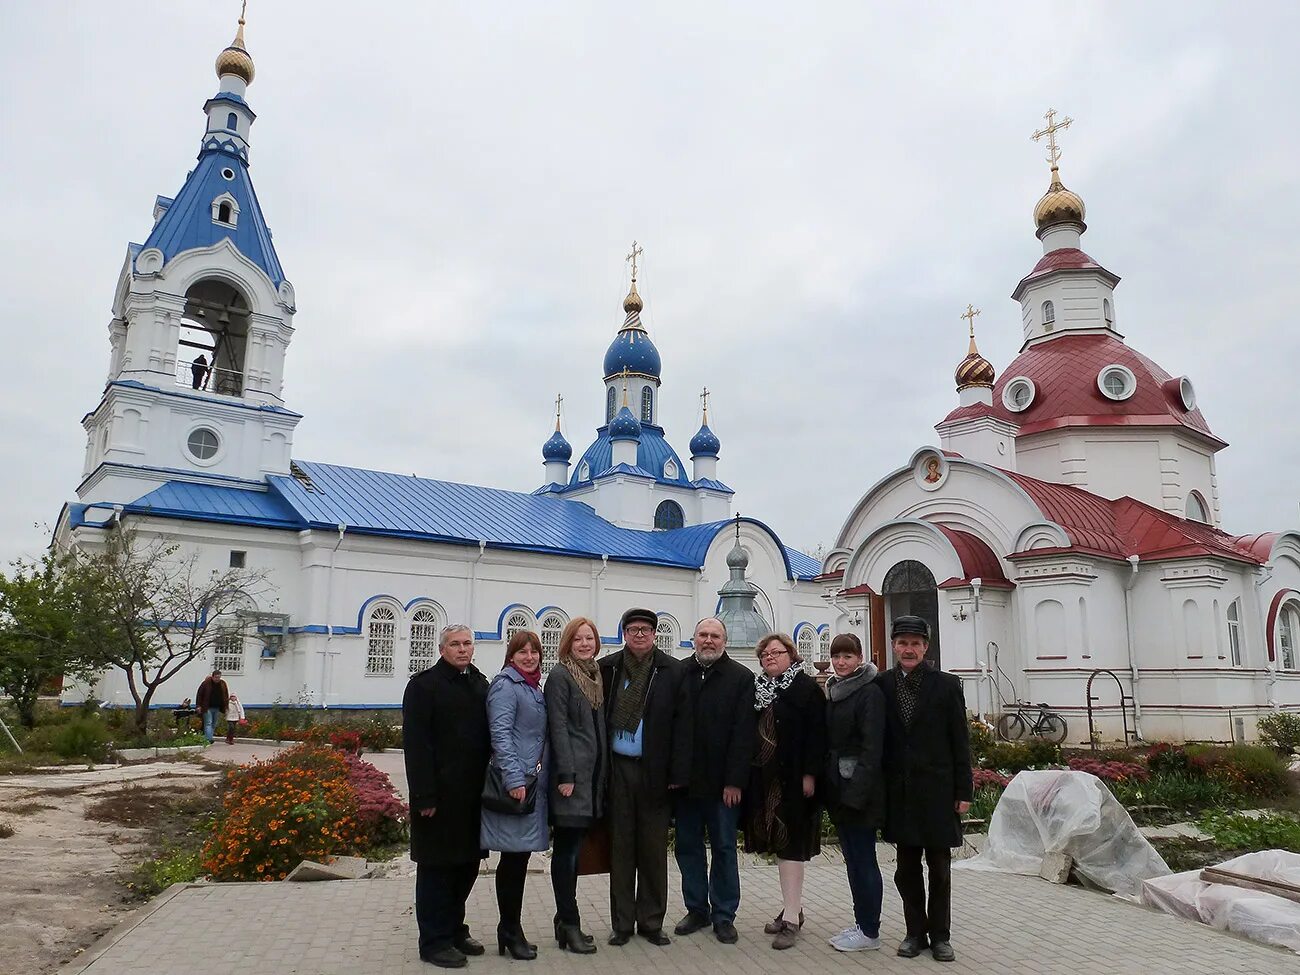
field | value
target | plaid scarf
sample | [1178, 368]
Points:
[909, 687]
[629, 701]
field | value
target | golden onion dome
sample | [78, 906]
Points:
[235, 59]
[974, 370]
[1058, 204]
[633, 300]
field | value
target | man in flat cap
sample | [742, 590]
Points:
[650, 746]
[928, 783]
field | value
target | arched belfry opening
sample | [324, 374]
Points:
[910, 590]
[213, 339]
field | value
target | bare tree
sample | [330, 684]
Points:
[166, 609]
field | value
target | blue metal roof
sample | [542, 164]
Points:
[624, 426]
[557, 448]
[626, 469]
[651, 454]
[208, 502]
[632, 350]
[712, 485]
[188, 222]
[802, 565]
[705, 443]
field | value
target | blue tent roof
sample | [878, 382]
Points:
[187, 222]
[651, 454]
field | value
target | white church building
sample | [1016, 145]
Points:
[191, 442]
[1067, 522]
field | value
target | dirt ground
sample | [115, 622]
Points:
[72, 849]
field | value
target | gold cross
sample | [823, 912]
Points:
[243, 9]
[969, 314]
[1049, 131]
[636, 252]
[704, 397]
[559, 400]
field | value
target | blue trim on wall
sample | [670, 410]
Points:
[314, 628]
[362, 612]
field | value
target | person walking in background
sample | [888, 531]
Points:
[575, 713]
[928, 784]
[784, 817]
[719, 692]
[234, 718]
[650, 737]
[211, 700]
[516, 713]
[854, 784]
[445, 746]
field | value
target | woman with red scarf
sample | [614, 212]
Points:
[517, 722]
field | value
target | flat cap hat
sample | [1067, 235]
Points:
[909, 626]
[639, 615]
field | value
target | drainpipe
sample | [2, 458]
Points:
[473, 584]
[975, 585]
[1134, 678]
[329, 627]
[595, 593]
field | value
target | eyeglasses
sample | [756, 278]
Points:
[638, 630]
[769, 654]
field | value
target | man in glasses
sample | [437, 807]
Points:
[650, 742]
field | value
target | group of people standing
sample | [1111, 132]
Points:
[620, 749]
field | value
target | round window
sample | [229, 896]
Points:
[1116, 382]
[228, 173]
[203, 443]
[1187, 394]
[1018, 394]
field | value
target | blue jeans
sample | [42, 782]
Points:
[858, 844]
[709, 891]
[210, 718]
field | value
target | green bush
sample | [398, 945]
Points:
[1273, 831]
[1180, 791]
[983, 803]
[79, 738]
[154, 876]
[1016, 756]
[1280, 730]
[1249, 770]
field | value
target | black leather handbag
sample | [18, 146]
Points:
[498, 799]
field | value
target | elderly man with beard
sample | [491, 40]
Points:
[720, 695]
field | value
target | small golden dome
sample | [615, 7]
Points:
[974, 370]
[1058, 204]
[633, 300]
[235, 59]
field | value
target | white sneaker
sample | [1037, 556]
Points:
[854, 940]
[840, 933]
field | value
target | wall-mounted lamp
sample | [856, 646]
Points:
[855, 619]
[959, 614]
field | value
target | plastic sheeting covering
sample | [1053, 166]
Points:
[1262, 917]
[1063, 811]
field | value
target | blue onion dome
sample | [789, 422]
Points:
[625, 426]
[705, 443]
[632, 349]
[557, 448]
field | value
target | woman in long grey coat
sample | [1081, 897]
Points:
[576, 718]
[517, 724]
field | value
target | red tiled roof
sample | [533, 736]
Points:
[1259, 545]
[862, 590]
[1063, 259]
[1123, 527]
[1064, 371]
[828, 576]
[977, 561]
[966, 412]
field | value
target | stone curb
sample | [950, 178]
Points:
[140, 754]
[125, 927]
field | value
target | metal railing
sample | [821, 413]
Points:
[212, 379]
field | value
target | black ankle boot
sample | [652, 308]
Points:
[559, 937]
[573, 939]
[512, 939]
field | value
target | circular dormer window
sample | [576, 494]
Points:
[203, 443]
[1116, 382]
[1187, 393]
[228, 173]
[1018, 394]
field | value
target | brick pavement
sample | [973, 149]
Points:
[1002, 924]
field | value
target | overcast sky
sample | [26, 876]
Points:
[820, 189]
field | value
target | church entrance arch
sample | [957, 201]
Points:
[910, 590]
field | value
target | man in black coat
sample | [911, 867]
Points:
[720, 695]
[446, 744]
[928, 783]
[649, 729]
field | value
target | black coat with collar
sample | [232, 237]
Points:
[667, 731]
[721, 700]
[446, 747]
[927, 766]
[855, 738]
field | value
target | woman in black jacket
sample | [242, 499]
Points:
[855, 784]
[783, 817]
[576, 724]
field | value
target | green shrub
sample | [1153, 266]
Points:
[154, 876]
[981, 739]
[1273, 831]
[1180, 791]
[1280, 730]
[1253, 771]
[983, 803]
[79, 738]
[1016, 756]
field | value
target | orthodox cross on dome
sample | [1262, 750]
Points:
[243, 10]
[737, 528]
[1049, 132]
[559, 401]
[632, 258]
[704, 398]
[625, 372]
[969, 315]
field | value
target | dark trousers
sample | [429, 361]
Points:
[564, 872]
[935, 917]
[709, 891]
[638, 832]
[440, 896]
[858, 844]
[512, 871]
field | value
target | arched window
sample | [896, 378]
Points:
[223, 213]
[228, 651]
[381, 641]
[1234, 632]
[807, 642]
[1106, 312]
[518, 621]
[824, 645]
[669, 515]
[666, 635]
[424, 640]
[647, 405]
[1196, 509]
[1049, 312]
[1192, 629]
[909, 590]
[1288, 633]
[609, 404]
[552, 626]
[232, 122]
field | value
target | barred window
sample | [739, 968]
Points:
[807, 642]
[609, 404]
[381, 636]
[518, 621]
[424, 640]
[552, 628]
[647, 405]
[228, 652]
[824, 649]
[666, 635]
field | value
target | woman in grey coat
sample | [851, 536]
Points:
[517, 724]
[576, 718]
